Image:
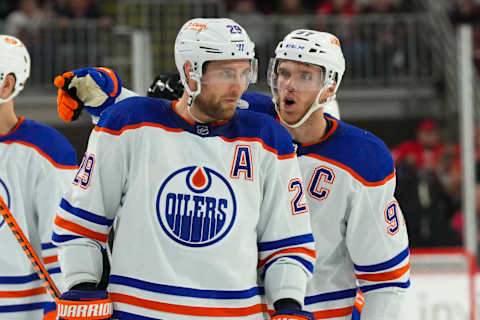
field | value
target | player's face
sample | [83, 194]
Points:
[223, 83]
[298, 85]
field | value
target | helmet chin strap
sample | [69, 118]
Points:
[192, 95]
[13, 95]
[314, 107]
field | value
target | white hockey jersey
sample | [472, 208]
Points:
[358, 225]
[36, 163]
[199, 211]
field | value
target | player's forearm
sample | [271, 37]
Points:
[80, 264]
[285, 280]
[383, 305]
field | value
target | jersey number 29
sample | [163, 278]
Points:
[84, 173]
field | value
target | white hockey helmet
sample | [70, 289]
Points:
[14, 59]
[310, 47]
[201, 40]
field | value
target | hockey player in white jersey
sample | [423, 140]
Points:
[360, 232]
[36, 163]
[205, 198]
[349, 174]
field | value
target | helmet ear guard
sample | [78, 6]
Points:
[14, 59]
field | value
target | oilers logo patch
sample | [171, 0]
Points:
[196, 206]
[6, 197]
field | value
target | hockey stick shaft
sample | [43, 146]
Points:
[29, 251]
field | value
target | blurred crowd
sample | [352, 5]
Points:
[326, 7]
[429, 186]
[23, 18]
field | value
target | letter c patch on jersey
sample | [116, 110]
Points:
[196, 206]
[316, 188]
[5, 196]
[242, 163]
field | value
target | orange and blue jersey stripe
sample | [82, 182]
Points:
[81, 223]
[320, 304]
[142, 294]
[21, 290]
[384, 274]
[299, 248]
[49, 255]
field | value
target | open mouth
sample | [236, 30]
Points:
[289, 101]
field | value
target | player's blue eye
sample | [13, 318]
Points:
[306, 76]
[227, 74]
[284, 73]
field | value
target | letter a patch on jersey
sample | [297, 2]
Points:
[242, 163]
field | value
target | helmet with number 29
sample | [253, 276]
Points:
[202, 40]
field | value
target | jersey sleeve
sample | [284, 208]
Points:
[88, 208]
[286, 244]
[378, 244]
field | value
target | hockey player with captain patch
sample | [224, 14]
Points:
[36, 164]
[205, 197]
[359, 229]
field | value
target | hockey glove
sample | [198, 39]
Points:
[289, 309]
[94, 89]
[84, 305]
[292, 315]
[166, 86]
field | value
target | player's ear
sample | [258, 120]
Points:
[8, 86]
[188, 69]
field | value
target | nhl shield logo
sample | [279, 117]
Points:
[6, 197]
[196, 206]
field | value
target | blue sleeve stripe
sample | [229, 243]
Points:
[58, 238]
[19, 279]
[329, 296]
[384, 265]
[54, 270]
[308, 265]
[22, 307]
[48, 245]
[185, 292]
[385, 285]
[272, 245]
[84, 214]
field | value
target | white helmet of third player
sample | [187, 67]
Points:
[14, 59]
[310, 47]
[201, 40]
